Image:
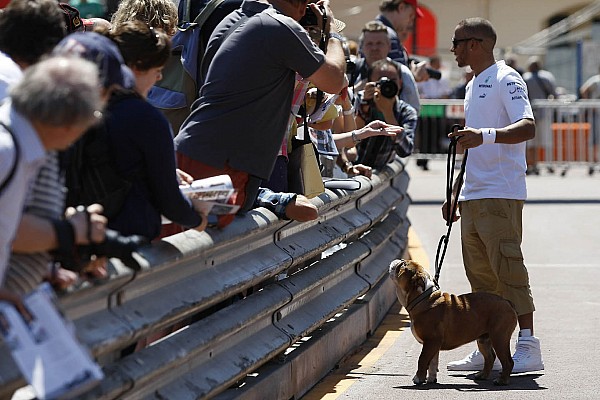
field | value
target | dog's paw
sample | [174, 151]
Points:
[480, 376]
[432, 379]
[500, 382]
[418, 381]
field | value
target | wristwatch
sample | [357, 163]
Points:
[337, 36]
[347, 166]
[355, 139]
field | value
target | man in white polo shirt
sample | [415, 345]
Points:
[499, 121]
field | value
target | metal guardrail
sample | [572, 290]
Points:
[239, 316]
[567, 131]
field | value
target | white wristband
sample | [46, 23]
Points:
[348, 112]
[489, 135]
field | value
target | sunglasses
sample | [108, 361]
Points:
[455, 42]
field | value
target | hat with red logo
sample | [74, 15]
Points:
[413, 3]
[73, 21]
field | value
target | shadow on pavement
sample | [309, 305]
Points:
[518, 382]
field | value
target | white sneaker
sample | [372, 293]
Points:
[528, 355]
[472, 362]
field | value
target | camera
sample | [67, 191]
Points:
[310, 18]
[117, 246]
[434, 74]
[114, 245]
[350, 66]
[387, 87]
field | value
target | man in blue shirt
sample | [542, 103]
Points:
[238, 123]
[399, 18]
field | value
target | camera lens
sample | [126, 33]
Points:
[434, 74]
[387, 87]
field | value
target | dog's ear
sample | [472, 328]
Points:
[396, 266]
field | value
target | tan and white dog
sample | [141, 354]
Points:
[443, 321]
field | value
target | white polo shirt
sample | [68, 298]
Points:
[10, 73]
[495, 98]
[12, 199]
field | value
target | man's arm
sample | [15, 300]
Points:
[518, 132]
[36, 234]
[586, 89]
[330, 77]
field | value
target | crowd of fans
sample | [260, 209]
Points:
[87, 163]
[115, 174]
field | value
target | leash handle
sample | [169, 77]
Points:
[452, 205]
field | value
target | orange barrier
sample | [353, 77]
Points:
[570, 142]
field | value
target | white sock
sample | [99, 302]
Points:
[525, 333]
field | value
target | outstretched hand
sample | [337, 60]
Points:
[380, 128]
[360, 169]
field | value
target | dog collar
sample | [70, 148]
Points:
[429, 288]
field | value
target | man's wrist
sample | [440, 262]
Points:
[488, 135]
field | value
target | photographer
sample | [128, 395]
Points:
[380, 101]
[375, 45]
[434, 88]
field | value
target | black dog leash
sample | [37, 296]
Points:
[453, 205]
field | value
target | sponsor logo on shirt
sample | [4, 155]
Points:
[516, 88]
[486, 83]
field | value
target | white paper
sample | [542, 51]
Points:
[325, 104]
[210, 195]
[46, 350]
[216, 208]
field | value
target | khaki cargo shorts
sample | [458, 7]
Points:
[491, 234]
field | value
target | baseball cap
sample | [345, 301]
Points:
[73, 20]
[413, 3]
[102, 51]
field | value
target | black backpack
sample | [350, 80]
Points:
[90, 171]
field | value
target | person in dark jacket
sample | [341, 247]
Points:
[139, 138]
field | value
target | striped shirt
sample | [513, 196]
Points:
[46, 199]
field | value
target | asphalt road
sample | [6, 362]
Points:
[562, 253]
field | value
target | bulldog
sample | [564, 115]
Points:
[443, 321]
